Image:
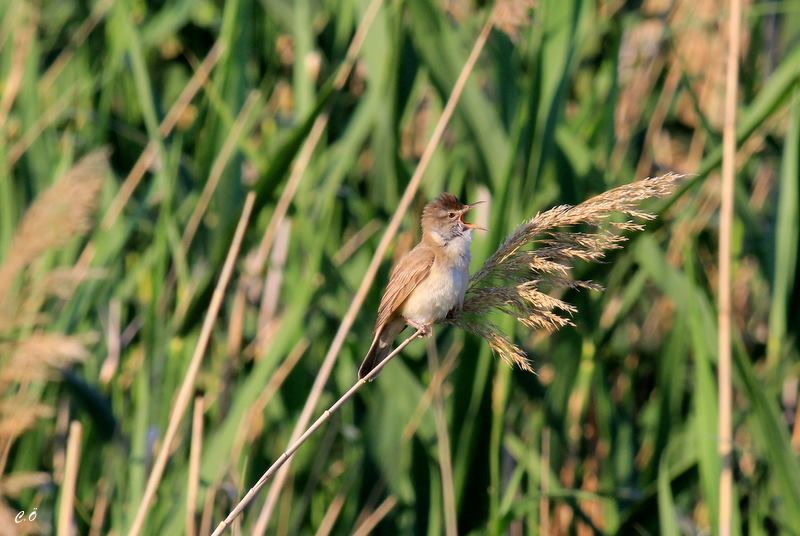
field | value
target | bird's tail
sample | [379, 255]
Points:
[381, 345]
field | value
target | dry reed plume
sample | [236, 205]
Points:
[58, 215]
[537, 256]
[509, 16]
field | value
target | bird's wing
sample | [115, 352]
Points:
[410, 271]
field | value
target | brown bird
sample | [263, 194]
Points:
[429, 281]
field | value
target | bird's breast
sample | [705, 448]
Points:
[440, 292]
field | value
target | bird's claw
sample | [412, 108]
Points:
[425, 330]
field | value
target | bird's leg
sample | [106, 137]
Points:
[451, 314]
[425, 329]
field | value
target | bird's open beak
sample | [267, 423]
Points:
[467, 209]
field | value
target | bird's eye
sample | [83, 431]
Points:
[451, 215]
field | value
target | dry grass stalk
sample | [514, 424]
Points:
[113, 342]
[273, 282]
[14, 485]
[101, 503]
[65, 508]
[194, 465]
[372, 520]
[58, 215]
[538, 254]
[724, 372]
[331, 515]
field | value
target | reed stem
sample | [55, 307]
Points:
[322, 419]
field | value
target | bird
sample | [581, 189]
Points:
[429, 281]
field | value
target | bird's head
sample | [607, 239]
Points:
[443, 219]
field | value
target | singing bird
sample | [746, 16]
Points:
[429, 281]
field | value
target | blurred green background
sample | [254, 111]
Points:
[617, 431]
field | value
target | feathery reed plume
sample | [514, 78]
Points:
[537, 256]
[511, 15]
[36, 356]
[17, 416]
[60, 213]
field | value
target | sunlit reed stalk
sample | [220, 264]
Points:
[187, 386]
[101, 503]
[67, 502]
[372, 520]
[194, 464]
[372, 270]
[331, 515]
[724, 282]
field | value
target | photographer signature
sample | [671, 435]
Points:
[20, 517]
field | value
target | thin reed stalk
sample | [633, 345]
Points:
[101, 503]
[331, 515]
[187, 386]
[725, 394]
[322, 419]
[372, 270]
[194, 465]
[67, 503]
[372, 520]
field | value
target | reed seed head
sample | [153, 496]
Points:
[538, 255]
